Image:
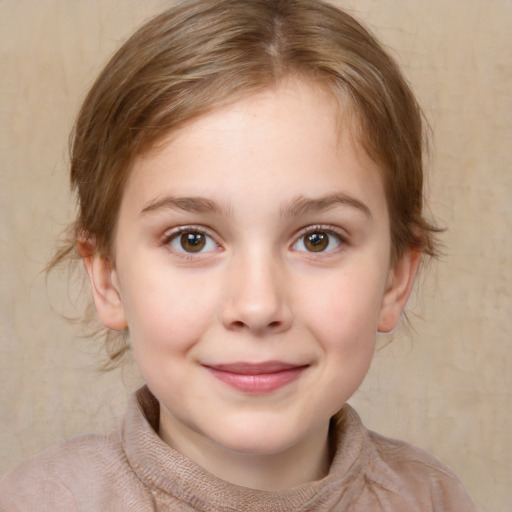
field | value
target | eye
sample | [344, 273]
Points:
[318, 240]
[192, 241]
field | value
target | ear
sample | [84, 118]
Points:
[104, 285]
[399, 287]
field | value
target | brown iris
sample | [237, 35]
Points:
[192, 241]
[316, 242]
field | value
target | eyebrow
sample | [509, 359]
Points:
[188, 204]
[302, 205]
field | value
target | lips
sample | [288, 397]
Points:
[257, 377]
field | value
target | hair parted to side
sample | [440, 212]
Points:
[202, 54]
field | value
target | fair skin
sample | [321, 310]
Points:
[252, 270]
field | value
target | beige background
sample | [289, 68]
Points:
[446, 386]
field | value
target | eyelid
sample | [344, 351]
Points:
[337, 232]
[173, 233]
[327, 228]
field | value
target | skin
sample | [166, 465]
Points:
[259, 177]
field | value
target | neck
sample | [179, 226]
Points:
[306, 461]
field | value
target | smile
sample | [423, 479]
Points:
[257, 378]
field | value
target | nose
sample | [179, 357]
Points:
[257, 297]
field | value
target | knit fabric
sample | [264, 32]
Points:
[134, 470]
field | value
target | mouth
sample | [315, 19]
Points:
[257, 377]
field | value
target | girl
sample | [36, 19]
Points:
[249, 179]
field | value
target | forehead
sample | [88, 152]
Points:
[294, 138]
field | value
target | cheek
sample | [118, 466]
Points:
[345, 304]
[168, 315]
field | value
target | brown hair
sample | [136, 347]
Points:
[202, 54]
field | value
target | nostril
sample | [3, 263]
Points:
[238, 324]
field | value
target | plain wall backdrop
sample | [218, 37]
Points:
[445, 385]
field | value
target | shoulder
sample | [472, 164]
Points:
[48, 476]
[60, 477]
[417, 473]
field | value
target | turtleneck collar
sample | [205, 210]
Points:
[166, 472]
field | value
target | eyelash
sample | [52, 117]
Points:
[340, 237]
[310, 230]
[169, 237]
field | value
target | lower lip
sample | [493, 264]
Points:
[260, 382]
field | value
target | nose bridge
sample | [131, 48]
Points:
[257, 299]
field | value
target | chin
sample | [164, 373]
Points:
[257, 440]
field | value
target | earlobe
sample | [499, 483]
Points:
[399, 287]
[104, 286]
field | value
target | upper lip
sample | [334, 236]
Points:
[246, 368]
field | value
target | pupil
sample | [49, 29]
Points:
[317, 242]
[192, 242]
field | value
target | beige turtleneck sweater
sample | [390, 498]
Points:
[134, 470]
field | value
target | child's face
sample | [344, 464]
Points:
[252, 268]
